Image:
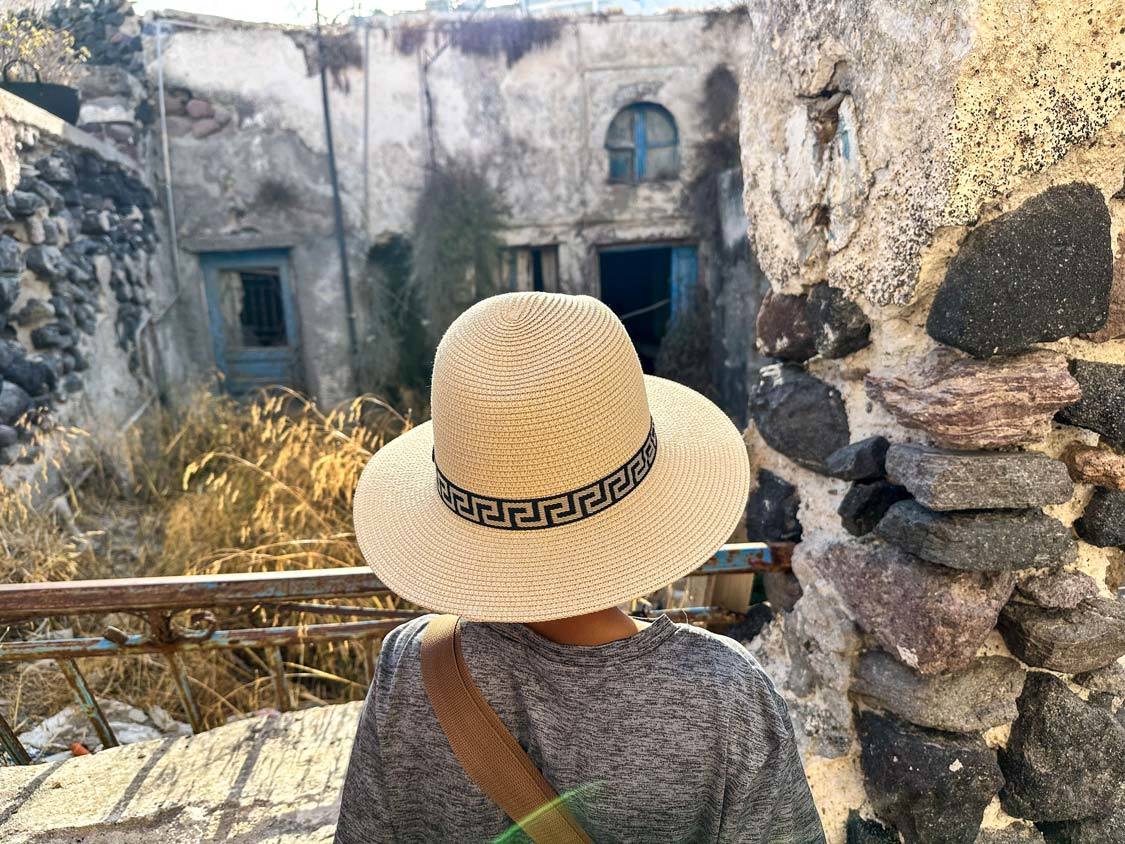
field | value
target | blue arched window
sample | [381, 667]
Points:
[643, 144]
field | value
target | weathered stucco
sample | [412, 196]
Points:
[941, 110]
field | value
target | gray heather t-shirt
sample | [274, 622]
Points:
[671, 735]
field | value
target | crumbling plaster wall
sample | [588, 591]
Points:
[536, 129]
[883, 142]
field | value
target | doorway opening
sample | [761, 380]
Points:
[646, 286]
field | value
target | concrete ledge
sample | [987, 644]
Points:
[21, 111]
[275, 778]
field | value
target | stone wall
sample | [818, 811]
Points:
[937, 199]
[77, 240]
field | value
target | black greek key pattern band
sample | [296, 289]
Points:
[551, 510]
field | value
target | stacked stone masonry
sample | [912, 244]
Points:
[954, 470]
[77, 238]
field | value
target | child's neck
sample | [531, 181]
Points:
[596, 628]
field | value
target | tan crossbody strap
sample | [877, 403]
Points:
[490, 755]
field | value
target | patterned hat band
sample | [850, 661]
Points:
[550, 510]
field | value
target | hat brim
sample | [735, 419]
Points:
[682, 512]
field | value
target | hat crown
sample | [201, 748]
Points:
[535, 394]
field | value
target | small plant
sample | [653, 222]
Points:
[456, 246]
[37, 47]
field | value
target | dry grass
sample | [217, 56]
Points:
[226, 487]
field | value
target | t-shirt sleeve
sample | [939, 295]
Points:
[768, 799]
[364, 818]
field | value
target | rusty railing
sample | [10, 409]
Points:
[156, 599]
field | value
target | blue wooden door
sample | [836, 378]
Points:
[684, 275]
[253, 323]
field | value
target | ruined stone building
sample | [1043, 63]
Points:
[935, 197]
[607, 146]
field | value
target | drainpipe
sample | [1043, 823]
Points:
[337, 208]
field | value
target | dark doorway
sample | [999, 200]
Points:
[643, 285]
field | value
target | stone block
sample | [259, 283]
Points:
[839, 326]
[932, 786]
[1108, 680]
[1039, 273]
[771, 511]
[977, 698]
[1097, 466]
[1103, 521]
[799, 415]
[860, 461]
[1102, 407]
[783, 329]
[866, 503]
[46, 262]
[1059, 589]
[930, 617]
[197, 109]
[1071, 641]
[992, 540]
[1065, 758]
[11, 260]
[14, 402]
[971, 404]
[861, 830]
[944, 480]
[205, 128]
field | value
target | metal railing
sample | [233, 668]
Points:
[157, 599]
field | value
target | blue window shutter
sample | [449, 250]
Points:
[685, 271]
[640, 143]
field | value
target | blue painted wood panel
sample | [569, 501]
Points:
[245, 365]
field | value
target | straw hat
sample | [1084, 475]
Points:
[555, 478]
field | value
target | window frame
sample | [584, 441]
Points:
[640, 145]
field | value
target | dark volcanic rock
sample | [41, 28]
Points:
[1110, 680]
[1102, 407]
[838, 324]
[991, 540]
[932, 786]
[34, 376]
[1107, 830]
[969, 404]
[931, 617]
[1103, 521]
[943, 480]
[1041, 272]
[1065, 757]
[46, 262]
[782, 328]
[14, 402]
[53, 335]
[10, 260]
[1089, 636]
[9, 290]
[8, 436]
[799, 415]
[866, 503]
[757, 617]
[1059, 589]
[24, 203]
[980, 697]
[862, 830]
[771, 511]
[861, 461]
